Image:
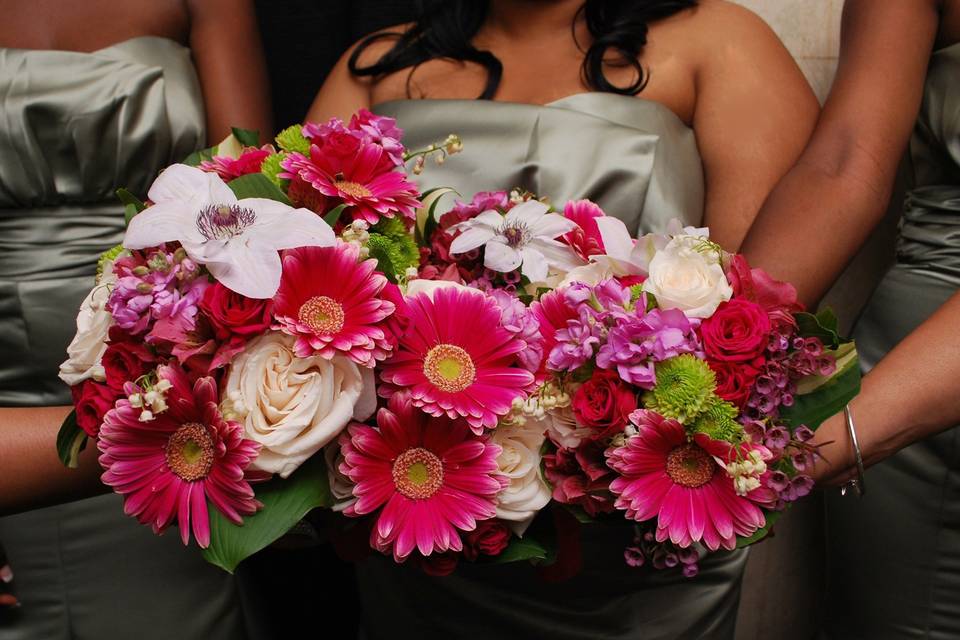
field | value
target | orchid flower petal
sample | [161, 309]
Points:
[180, 183]
[501, 257]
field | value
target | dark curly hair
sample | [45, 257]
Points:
[445, 28]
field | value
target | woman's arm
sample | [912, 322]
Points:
[228, 54]
[32, 475]
[826, 206]
[912, 393]
[754, 113]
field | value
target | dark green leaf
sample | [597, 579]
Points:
[195, 158]
[285, 502]
[829, 398]
[763, 532]
[577, 512]
[334, 214]
[257, 185]
[71, 440]
[384, 263]
[246, 137]
[520, 549]
[426, 214]
[823, 326]
[132, 205]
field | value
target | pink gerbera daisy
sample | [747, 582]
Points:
[334, 303]
[365, 181]
[432, 476]
[665, 475]
[168, 467]
[456, 359]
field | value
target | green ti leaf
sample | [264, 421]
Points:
[246, 137]
[132, 205]
[334, 214]
[827, 396]
[257, 185]
[521, 549]
[195, 158]
[71, 440]
[762, 532]
[427, 213]
[824, 325]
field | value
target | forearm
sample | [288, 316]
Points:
[912, 393]
[31, 474]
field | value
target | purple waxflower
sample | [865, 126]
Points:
[633, 556]
[803, 433]
[777, 438]
[778, 481]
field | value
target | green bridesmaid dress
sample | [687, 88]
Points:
[640, 163]
[894, 556]
[74, 127]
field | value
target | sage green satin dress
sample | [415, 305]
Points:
[894, 556]
[638, 161]
[74, 127]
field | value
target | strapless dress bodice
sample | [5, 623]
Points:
[633, 157]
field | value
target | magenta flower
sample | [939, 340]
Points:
[168, 468]
[431, 476]
[229, 168]
[585, 240]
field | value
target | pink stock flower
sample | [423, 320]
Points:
[552, 311]
[229, 168]
[432, 477]
[364, 180]
[585, 240]
[665, 475]
[334, 304]
[169, 467]
[456, 359]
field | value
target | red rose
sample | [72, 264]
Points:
[490, 538]
[604, 403]
[233, 314]
[735, 379]
[739, 330]
[125, 359]
[92, 400]
[439, 564]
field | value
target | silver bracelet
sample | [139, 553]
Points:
[856, 484]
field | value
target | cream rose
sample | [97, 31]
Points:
[519, 461]
[341, 487]
[688, 276]
[93, 322]
[294, 406]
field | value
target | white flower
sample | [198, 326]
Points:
[294, 406]
[85, 352]
[237, 240]
[519, 460]
[687, 275]
[421, 285]
[563, 429]
[524, 237]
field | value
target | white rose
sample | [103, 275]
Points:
[684, 275]
[563, 429]
[93, 322]
[294, 406]
[341, 487]
[519, 460]
[421, 285]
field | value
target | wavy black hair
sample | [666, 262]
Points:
[445, 28]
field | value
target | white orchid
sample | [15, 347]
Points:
[525, 237]
[237, 240]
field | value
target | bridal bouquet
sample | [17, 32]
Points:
[295, 326]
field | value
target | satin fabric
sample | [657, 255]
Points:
[894, 556]
[76, 126]
[640, 163]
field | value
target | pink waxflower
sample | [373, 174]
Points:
[663, 474]
[364, 180]
[229, 168]
[585, 240]
[334, 303]
[431, 478]
[456, 359]
[169, 467]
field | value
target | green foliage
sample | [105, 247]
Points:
[132, 205]
[257, 185]
[271, 169]
[762, 532]
[195, 158]
[684, 385]
[334, 214]
[824, 325]
[391, 238]
[107, 256]
[285, 502]
[520, 549]
[246, 137]
[71, 440]
[718, 420]
[291, 139]
[828, 398]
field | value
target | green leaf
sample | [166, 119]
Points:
[71, 440]
[520, 549]
[132, 205]
[384, 263]
[246, 137]
[257, 185]
[195, 158]
[426, 214]
[334, 214]
[823, 325]
[763, 532]
[828, 398]
[285, 502]
[577, 512]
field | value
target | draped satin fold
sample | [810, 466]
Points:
[894, 556]
[74, 127]
[639, 162]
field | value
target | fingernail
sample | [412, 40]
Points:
[7, 600]
[6, 573]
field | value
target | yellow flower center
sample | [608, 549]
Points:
[417, 473]
[190, 452]
[322, 314]
[690, 466]
[449, 368]
[353, 189]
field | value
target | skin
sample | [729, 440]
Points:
[842, 183]
[225, 44]
[718, 67]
